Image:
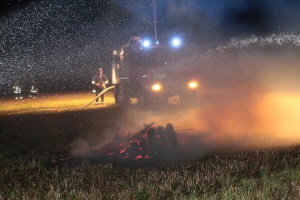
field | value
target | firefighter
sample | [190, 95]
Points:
[17, 90]
[100, 81]
[33, 90]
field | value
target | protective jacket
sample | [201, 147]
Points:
[34, 89]
[102, 80]
[17, 88]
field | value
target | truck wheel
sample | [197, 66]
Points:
[188, 98]
[122, 97]
[144, 100]
[162, 101]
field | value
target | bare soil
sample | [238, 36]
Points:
[47, 131]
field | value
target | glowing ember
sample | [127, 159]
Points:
[148, 145]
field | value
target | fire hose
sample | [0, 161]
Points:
[105, 90]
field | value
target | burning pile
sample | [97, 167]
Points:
[149, 145]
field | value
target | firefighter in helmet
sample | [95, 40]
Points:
[17, 90]
[99, 81]
[33, 90]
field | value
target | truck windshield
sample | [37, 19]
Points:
[158, 57]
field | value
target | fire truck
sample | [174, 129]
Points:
[150, 75]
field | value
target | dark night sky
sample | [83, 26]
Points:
[60, 42]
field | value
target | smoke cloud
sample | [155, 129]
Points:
[249, 95]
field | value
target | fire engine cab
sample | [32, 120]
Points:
[149, 75]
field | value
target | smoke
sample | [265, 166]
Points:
[249, 97]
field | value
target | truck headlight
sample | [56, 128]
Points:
[193, 85]
[156, 87]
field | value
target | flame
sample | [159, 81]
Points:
[111, 153]
[122, 151]
[138, 157]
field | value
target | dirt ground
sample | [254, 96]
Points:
[48, 127]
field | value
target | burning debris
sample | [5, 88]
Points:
[149, 145]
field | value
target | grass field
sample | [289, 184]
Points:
[34, 130]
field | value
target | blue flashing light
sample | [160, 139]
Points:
[176, 42]
[146, 43]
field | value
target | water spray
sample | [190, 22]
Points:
[239, 43]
